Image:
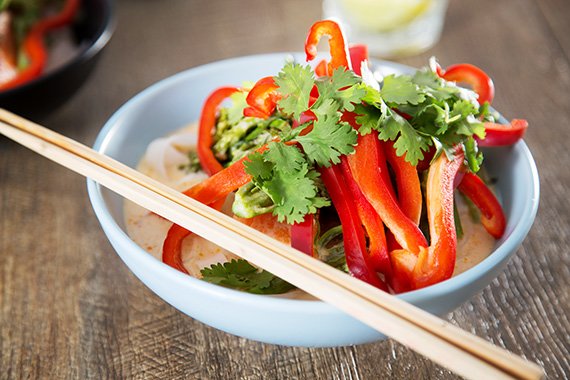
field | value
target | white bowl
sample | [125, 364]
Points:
[176, 101]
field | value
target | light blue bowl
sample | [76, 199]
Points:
[175, 102]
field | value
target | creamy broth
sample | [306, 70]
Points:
[162, 161]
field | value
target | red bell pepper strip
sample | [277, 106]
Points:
[207, 125]
[492, 215]
[436, 263]
[34, 47]
[357, 258]
[212, 192]
[424, 163]
[358, 53]
[481, 83]
[350, 117]
[303, 235]
[378, 250]
[262, 98]
[321, 68]
[172, 247]
[338, 47]
[408, 183]
[503, 134]
[364, 164]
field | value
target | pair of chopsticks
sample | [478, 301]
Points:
[442, 342]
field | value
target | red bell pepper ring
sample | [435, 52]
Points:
[407, 182]
[303, 235]
[364, 164]
[378, 250]
[34, 46]
[355, 252]
[481, 83]
[262, 98]
[338, 47]
[503, 134]
[207, 125]
[492, 215]
[436, 263]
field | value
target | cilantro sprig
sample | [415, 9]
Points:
[420, 111]
[283, 173]
[417, 112]
[241, 275]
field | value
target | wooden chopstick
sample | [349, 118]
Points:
[444, 343]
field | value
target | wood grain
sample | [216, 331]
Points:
[69, 308]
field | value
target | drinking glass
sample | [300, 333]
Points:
[390, 28]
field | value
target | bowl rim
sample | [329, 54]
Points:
[451, 285]
[95, 45]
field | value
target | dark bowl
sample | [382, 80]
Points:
[37, 98]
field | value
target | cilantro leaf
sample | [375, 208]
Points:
[241, 275]
[473, 156]
[409, 141]
[368, 118]
[328, 140]
[295, 84]
[256, 166]
[287, 157]
[282, 172]
[292, 193]
[342, 88]
[401, 90]
[434, 86]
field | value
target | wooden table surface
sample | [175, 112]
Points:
[69, 308]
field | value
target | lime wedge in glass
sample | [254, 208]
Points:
[384, 15]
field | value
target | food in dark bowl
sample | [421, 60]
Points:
[48, 49]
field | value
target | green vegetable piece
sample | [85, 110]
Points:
[457, 220]
[329, 139]
[193, 164]
[401, 90]
[250, 201]
[241, 275]
[295, 84]
[235, 112]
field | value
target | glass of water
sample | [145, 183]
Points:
[390, 28]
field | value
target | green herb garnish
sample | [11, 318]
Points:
[241, 275]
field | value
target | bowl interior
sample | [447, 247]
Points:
[176, 101]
